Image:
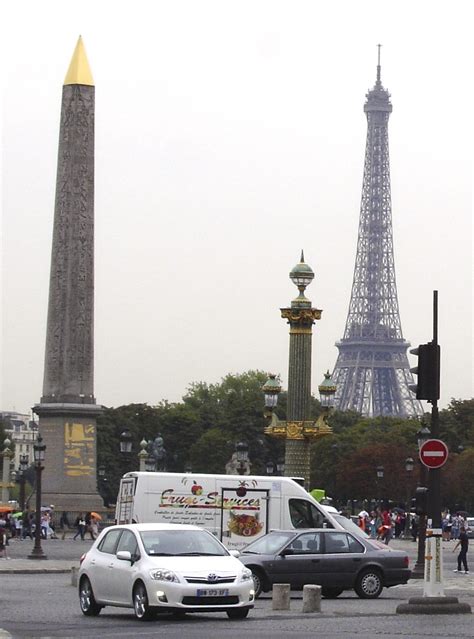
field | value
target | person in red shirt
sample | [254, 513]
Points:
[387, 524]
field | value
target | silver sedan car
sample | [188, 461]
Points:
[163, 568]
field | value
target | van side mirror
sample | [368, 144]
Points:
[124, 555]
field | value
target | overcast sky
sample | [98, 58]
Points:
[229, 136]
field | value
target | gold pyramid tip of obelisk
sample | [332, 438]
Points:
[79, 71]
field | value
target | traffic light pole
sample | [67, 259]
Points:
[434, 475]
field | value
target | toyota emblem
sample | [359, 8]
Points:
[212, 577]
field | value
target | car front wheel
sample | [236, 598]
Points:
[237, 613]
[87, 601]
[258, 581]
[369, 584]
[142, 609]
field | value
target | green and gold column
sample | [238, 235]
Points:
[301, 317]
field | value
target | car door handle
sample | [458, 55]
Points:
[356, 559]
[315, 561]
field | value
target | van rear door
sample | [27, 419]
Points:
[244, 516]
[126, 496]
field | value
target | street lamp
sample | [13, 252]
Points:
[23, 467]
[38, 453]
[269, 467]
[126, 441]
[380, 471]
[271, 389]
[242, 456]
[103, 485]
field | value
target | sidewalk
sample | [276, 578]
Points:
[32, 566]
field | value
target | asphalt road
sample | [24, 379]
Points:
[46, 605]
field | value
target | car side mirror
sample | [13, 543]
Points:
[124, 555]
[234, 553]
[287, 551]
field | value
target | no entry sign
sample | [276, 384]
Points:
[433, 453]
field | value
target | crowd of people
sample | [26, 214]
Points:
[20, 525]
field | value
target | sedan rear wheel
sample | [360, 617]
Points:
[369, 584]
[89, 606]
[143, 611]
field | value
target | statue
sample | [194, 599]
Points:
[158, 452]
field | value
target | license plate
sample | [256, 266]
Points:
[212, 592]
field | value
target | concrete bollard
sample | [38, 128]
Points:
[281, 597]
[73, 576]
[311, 598]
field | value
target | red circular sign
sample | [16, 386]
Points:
[433, 453]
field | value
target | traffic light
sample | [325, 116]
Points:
[428, 370]
[421, 500]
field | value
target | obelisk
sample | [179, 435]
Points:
[68, 408]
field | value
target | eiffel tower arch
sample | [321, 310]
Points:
[372, 372]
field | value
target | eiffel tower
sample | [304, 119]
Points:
[372, 372]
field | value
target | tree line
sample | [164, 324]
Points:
[201, 432]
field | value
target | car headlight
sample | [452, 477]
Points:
[162, 574]
[246, 575]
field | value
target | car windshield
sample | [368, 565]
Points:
[269, 544]
[180, 543]
[350, 526]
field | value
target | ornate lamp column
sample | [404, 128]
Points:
[301, 317]
[298, 430]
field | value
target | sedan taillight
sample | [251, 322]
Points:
[406, 561]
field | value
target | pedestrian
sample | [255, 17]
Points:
[94, 527]
[64, 523]
[3, 539]
[80, 525]
[19, 527]
[457, 522]
[386, 525]
[88, 520]
[463, 541]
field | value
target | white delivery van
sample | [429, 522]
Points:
[236, 508]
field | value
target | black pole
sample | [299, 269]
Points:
[22, 491]
[434, 476]
[37, 552]
[419, 568]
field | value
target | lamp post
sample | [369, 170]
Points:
[126, 447]
[103, 485]
[38, 453]
[380, 472]
[242, 456]
[23, 467]
[298, 430]
[275, 469]
[419, 568]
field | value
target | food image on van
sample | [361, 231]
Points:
[244, 525]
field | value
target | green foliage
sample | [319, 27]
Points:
[204, 427]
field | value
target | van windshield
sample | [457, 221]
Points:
[304, 514]
[180, 543]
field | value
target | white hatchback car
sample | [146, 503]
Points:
[163, 567]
